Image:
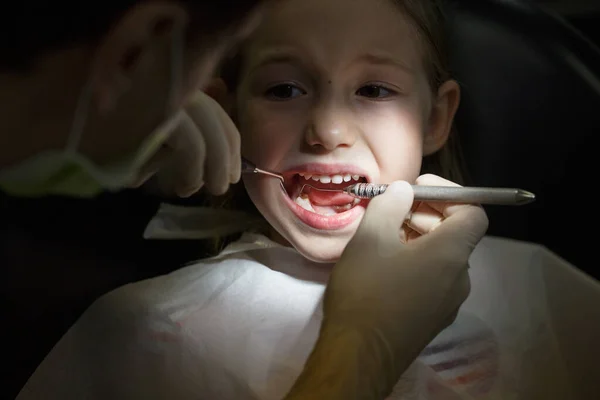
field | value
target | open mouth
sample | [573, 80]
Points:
[322, 194]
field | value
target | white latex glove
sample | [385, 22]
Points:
[399, 287]
[203, 150]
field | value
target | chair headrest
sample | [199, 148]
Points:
[529, 110]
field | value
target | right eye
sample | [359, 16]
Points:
[284, 92]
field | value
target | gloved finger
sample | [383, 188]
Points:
[434, 180]
[424, 218]
[480, 222]
[456, 237]
[203, 111]
[408, 234]
[186, 172]
[386, 213]
[444, 209]
[468, 222]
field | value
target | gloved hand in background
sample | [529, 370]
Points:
[393, 290]
[203, 150]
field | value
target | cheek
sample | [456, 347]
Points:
[256, 191]
[264, 195]
[267, 135]
[395, 136]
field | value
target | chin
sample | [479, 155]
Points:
[318, 249]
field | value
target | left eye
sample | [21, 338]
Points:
[374, 92]
[284, 92]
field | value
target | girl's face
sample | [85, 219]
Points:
[334, 92]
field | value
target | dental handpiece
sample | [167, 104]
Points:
[452, 194]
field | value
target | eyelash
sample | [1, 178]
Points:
[379, 87]
[270, 93]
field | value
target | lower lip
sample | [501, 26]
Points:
[325, 222]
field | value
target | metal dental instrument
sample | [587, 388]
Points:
[451, 194]
[250, 168]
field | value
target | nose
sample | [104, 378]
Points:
[330, 126]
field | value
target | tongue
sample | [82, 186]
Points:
[322, 198]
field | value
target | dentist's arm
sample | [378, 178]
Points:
[391, 293]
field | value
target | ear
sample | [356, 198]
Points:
[217, 89]
[442, 117]
[128, 43]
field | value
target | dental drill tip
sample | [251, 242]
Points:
[524, 197]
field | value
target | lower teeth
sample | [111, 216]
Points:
[304, 202]
[344, 208]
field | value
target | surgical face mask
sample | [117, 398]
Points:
[68, 172]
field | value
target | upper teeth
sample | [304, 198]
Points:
[330, 179]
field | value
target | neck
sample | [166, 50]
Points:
[37, 105]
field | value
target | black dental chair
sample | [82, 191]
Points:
[530, 108]
[531, 104]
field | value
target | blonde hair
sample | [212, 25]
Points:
[428, 20]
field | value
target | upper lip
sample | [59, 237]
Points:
[327, 170]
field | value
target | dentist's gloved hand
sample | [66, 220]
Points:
[393, 290]
[204, 150]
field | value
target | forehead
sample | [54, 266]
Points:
[331, 31]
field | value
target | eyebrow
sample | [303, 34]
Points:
[378, 59]
[278, 57]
